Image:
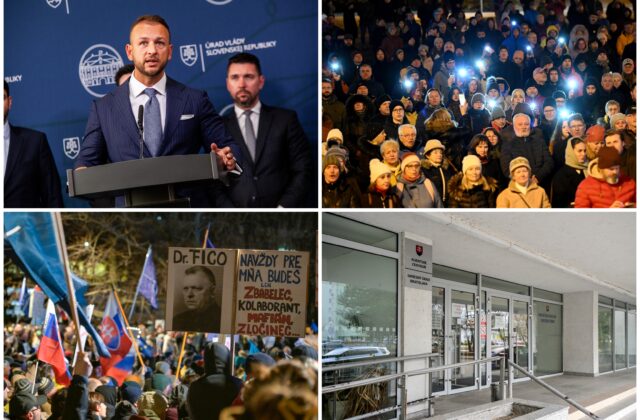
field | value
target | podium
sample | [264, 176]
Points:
[149, 182]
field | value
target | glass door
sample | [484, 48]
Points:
[520, 334]
[500, 337]
[509, 333]
[437, 337]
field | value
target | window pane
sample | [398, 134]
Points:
[453, 274]
[358, 232]
[521, 329]
[547, 353]
[437, 337]
[359, 322]
[463, 325]
[621, 345]
[505, 286]
[543, 294]
[631, 328]
[605, 300]
[605, 339]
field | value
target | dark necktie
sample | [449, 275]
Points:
[249, 134]
[152, 122]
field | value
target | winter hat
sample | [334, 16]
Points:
[595, 134]
[523, 108]
[336, 135]
[552, 28]
[529, 83]
[559, 94]
[432, 145]
[45, 386]
[163, 367]
[21, 403]
[130, 391]
[260, 358]
[332, 159]
[565, 57]
[303, 350]
[477, 97]
[394, 104]
[615, 118]
[493, 85]
[408, 158]
[627, 61]
[377, 168]
[590, 82]
[154, 401]
[549, 102]
[470, 161]
[545, 60]
[125, 409]
[608, 157]
[382, 99]
[497, 112]
[519, 162]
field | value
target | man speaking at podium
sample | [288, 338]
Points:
[176, 120]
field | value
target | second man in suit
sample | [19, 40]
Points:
[277, 164]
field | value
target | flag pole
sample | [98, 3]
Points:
[62, 249]
[35, 377]
[206, 236]
[133, 304]
[126, 321]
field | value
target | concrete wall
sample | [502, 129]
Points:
[416, 336]
[580, 333]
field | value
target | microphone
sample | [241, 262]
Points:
[140, 129]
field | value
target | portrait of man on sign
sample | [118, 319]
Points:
[196, 306]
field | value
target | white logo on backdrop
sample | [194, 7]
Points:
[54, 3]
[219, 2]
[189, 54]
[98, 67]
[71, 147]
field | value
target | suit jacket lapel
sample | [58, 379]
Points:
[128, 122]
[16, 148]
[263, 130]
[175, 105]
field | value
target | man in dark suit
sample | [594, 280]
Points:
[30, 175]
[277, 163]
[177, 120]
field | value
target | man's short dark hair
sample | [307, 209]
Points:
[151, 18]
[126, 69]
[575, 117]
[204, 270]
[245, 58]
[6, 88]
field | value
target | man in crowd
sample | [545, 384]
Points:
[605, 186]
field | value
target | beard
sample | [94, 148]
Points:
[244, 98]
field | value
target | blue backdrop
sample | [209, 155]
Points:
[62, 54]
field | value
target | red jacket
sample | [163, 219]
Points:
[595, 192]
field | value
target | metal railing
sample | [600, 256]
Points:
[404, 376]
[547, 387]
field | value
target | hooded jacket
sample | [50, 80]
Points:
[595, 192]
[481, 195]
[566, 180]
[217, 388]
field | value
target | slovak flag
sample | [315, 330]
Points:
[118, 342]
[50, 350]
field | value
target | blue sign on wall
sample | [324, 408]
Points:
[60, 55]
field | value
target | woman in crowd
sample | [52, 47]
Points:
[381, 194]
[437, 168]
[495, 140]
[470, 189]
[414, 188]
[481, 147]
[390, 152]
[337, 190]
[566, 180]
[522, 192]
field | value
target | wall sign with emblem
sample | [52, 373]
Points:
[417, 264]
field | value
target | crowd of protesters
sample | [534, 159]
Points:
[530, 106]
[273, 378]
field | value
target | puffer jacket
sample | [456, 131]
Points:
[595, 192]
[512, 198]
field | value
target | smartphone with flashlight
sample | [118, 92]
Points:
[463, 100]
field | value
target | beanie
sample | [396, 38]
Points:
[394, 104]
[497, 112]
[477, 97]
[335, 134]
[470, 161]
[408, 158]
[608, 157]
[615, 118]
[549, 102]
[377, 168]
[431, 145]
[331, 160]
[518, 162]
[595, 134]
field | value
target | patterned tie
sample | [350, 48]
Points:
[152, 122]
[249, 135]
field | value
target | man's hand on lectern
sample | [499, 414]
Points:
[226, 155]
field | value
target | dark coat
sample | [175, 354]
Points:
[373, 199]
[217, 389]
[281, 172]
[480, 196]
[206, 320]
[564, 185]
[455, 141]
[440, 177]
[342, 194]
[534, 149]
[31, 178]
[476, 120]
[76, 406]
